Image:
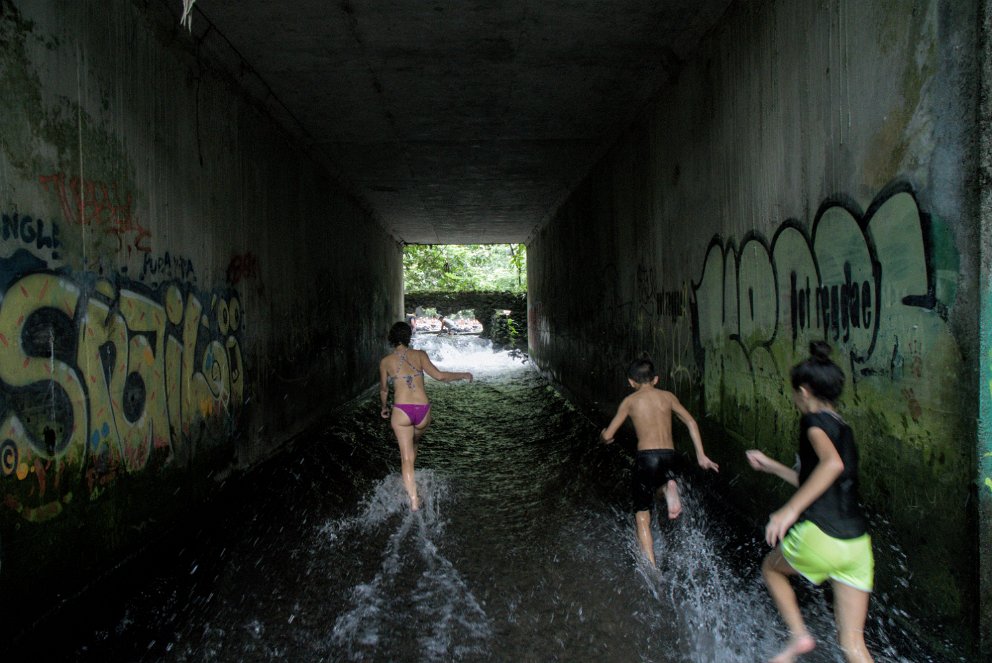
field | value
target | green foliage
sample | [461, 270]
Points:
[504, 331]
[465, 267]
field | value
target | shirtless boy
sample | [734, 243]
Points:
[651, 411]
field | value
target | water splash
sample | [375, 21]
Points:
[388, 498]
[714, 613]
[521, 551]
[724, 612]
[469, 353]
[414, 584]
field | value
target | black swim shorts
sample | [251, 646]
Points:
[652, 470]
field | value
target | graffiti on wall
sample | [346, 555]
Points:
[36, 234]
[242, 266]
[863, 282]
[166, 267]
[100, 205]
[101, 378]
[244, 269]
[672, 304]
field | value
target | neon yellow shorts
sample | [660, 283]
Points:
[818, 556]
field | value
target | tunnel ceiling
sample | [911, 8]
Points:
[462, 121]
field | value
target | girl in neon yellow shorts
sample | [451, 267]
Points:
[821, 531]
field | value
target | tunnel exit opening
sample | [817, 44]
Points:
[467, 289]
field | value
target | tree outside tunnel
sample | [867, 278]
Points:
[485, 282]
[464, 267]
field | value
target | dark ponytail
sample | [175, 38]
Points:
[819, 373]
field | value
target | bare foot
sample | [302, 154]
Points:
[415, 503]
[673, 500]
[797, 646]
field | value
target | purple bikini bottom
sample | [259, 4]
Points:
[415, 411]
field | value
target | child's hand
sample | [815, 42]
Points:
[778, 524]
[384, 412]
[603, 438]
[707, 464]
[757, 460]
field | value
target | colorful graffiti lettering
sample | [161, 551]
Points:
[8, 457]
[99, 380]
[862, 282]
[99, 205]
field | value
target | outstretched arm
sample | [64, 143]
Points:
[438, 374]
[759, 461]
[829, 466]
[608, 433]
[697, 440]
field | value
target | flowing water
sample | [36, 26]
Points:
[524, 550]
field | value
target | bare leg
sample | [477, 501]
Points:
[408, 454]
[420, 429]
[672, 498]
[776, 572]
[418, 432]
[643, 519]
[850, 611]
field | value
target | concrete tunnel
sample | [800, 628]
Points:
[203, 216]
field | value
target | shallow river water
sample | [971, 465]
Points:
[524, 551]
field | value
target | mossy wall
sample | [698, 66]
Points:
[810, 174]
[985, 330]
[170, 313]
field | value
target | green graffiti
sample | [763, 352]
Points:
[862, 282]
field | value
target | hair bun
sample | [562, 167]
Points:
[820, 351]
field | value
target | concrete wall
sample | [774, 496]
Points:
[985, 332]
[170, 311]
[810, 174]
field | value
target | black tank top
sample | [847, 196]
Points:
[838, 511]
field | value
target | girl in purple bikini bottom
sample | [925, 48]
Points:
[404, 368]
